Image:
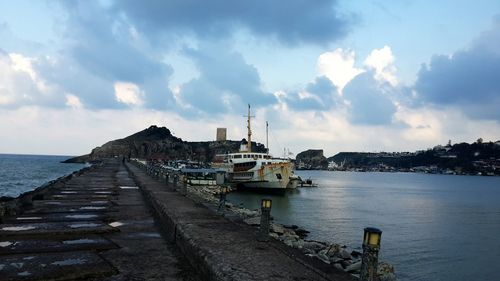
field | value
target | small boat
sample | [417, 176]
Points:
[308, 183]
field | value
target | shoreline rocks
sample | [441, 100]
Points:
[338, 256]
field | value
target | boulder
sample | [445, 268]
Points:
[277, 228]
[336, 259]
[384, 267]
[298, 244]
[323, 258]
[313, 245]
[354, 267]
[387, 277]
[345, 263]
[302, 233]
[307, 251]
[385, 272]
[356, 254]
[338, 266]
[344, 254]
[333, 249]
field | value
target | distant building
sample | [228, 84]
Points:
[221, 134]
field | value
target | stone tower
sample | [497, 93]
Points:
[221, 134]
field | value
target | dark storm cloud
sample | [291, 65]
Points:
[226, 81]
[100, 51]
[291, 22]
[468, 80]
[370, 103]
[321, 95]
[93, 91]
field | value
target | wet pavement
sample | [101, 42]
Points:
[96, 226]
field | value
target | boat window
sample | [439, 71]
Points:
[237, 156]
[260, 156]
[278, 176]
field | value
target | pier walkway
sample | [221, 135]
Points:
[115, 222]
[95, 226]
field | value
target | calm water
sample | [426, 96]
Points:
[435, 227]
[21, 173]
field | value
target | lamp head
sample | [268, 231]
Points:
[372, 237]
[266, 203]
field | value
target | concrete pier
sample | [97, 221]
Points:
[95, 226]
[115, 222]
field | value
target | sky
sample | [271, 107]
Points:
[346, 75]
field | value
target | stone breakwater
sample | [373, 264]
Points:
[13, 206]
[336, 255]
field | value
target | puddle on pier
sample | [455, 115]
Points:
[129, 187]
[92, 208]
[29, 218]
[80, 241]
[70, 262]
[116, 224]
[80, 216]
[18, 228]
[80, 225]
[5, 244]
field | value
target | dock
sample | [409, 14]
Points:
[115, 222]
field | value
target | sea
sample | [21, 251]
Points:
[434, 227]
[22, 173]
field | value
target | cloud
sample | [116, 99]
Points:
[100, 48]
[382, 61]
[320, 95]
[226, 81]
[370, 101]
[20, 84]
[366, 95]
[73, 101]
[468, 79]
[293, 22]
[338, 66]
[128, 93]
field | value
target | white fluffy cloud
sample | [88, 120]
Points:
[73, 101]
[382, 61]
[16, 80]
[338, 66]
[128, 93]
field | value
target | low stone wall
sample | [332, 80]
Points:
[13, 206]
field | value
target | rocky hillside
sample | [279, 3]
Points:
[158, 143]
[312, 159]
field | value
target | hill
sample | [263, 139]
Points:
[158, 143]
[462, 158]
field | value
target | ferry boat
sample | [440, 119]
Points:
[258, 171]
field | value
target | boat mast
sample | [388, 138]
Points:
[267, 137]
[249, 146]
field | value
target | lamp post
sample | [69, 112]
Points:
[184, 185]
[222, 199]
[176, 179]
[369, 260]
[265, 207]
